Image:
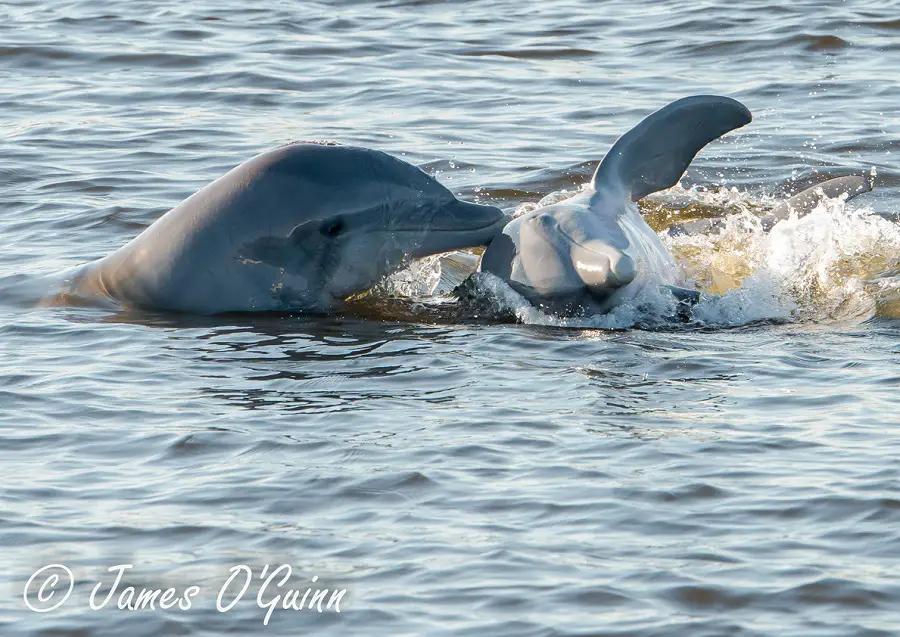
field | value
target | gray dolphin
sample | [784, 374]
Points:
[301, 227]
[802, 204]
[590, 252]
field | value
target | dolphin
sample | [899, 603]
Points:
[301, 227]
[591, 252]
[801, 204]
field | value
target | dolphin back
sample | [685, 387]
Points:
[653, 155]
[802, 203]
[806, 201]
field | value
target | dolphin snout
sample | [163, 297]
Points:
[603, 267]
[623, 269]
[463, 215]
[459, 225]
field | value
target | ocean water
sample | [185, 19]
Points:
[737, 474]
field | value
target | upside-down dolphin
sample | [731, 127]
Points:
[301, 227]
[456, 267]
[592, 251]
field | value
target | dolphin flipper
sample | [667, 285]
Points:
[653, 155]
[687, 299]
[684, 295]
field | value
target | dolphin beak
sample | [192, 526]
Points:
[602, 266]
[477, 217]
[462, 225]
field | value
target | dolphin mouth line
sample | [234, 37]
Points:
[412, 229]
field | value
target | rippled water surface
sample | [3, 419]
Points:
[734, 475]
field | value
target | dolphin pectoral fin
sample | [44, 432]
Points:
[683, 295]
[498, 257]
[687, 299]
[653, 155]
[806, 201]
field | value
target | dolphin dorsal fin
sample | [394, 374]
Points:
[653, 155]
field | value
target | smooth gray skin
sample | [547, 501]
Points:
[591, 252]
[802, 204]
[301, 227]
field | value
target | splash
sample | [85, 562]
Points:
[419, 278]
[816, 268]
[489, 295]
[840, 263]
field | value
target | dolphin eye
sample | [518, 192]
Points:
[333, 227]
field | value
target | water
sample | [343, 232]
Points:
[734, 475]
